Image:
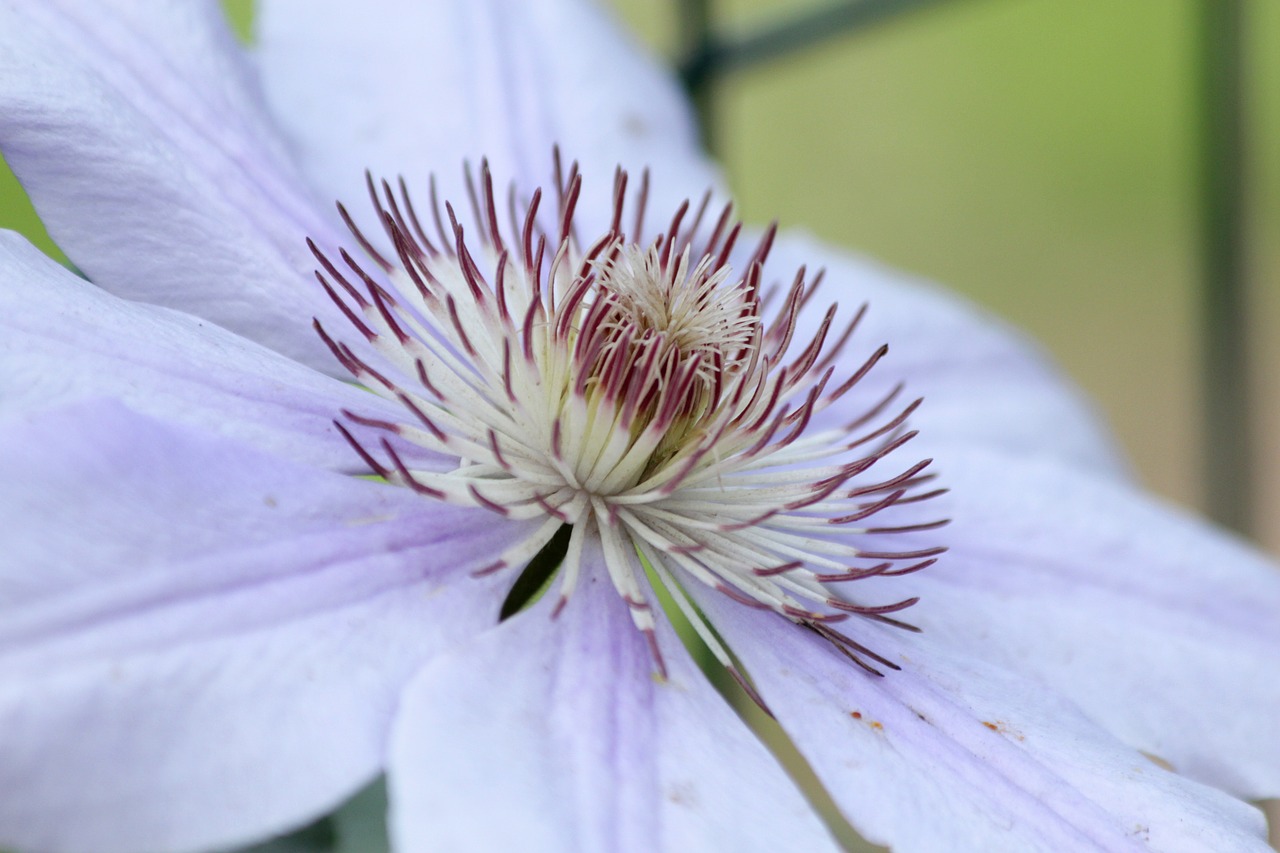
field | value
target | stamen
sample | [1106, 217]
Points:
[635, 391]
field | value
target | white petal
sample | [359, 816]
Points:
[554, 735]
[414, 88]
[982, 381]
[63, 340]
[200, 644]
[952, 754]
[1160, 627]
[137, 131]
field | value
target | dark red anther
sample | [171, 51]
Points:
[642, 202]
[445, 242]
[669, 239]
[407, 477]
[355, 320]
[430, 425]
[485, 502]
[373, 464]
[418, 231]
[490, 212]
[362, 240]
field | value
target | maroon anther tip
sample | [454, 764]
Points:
[365, 245]
[407, 477]
[877, 610]
[742, 599]
[364, 455]
[418, 231]
[655, 652]
[485, 502]
[490, 569]
[430, 425]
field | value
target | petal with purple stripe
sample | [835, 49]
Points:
[953, 754]
[555, 735]
[201, 644]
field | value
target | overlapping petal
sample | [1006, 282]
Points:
[415, 88]
[201, 644]
[63, 340]
[954, 754]
[983, 382]
[138, 132]
[1145, 616]
[561, 729]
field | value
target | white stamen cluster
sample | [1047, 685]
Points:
[635, 391]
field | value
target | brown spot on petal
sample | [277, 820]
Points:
[871, 724]
[1001, 727]
[683, 794]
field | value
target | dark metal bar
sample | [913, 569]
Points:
[698, 70]
[1228, 475]
[724, 54]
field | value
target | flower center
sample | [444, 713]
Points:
[645, 390]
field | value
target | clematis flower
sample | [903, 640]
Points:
[212, 629]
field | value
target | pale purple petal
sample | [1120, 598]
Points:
[982, 381]
[414, 88]
[201, 644]
[137, 131]
[554, 735]
[1160, 627]
[953, 754]
[62, 340]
